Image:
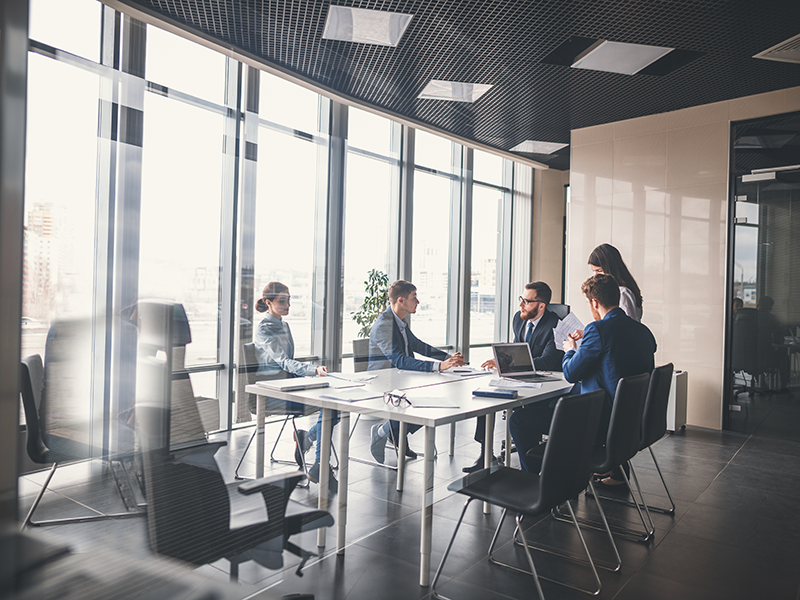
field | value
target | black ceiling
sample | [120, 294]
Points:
[503, 42]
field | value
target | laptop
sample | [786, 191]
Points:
[514, 362]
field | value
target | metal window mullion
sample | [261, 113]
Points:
[13, 90]
[406, 208]
[503, 291]
[521, 234]
[228, 313]
[395, 201]
[247, 228]
[333, 259]
[107, 353]
[123, 273]
[459, 295]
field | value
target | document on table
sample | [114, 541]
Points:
[352, 378]
[465, 371]
[509, 383]
[350, 394]
[566, 326]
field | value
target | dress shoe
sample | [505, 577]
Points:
[302, 442]
[478, 465]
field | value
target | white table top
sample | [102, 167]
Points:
[422, 389]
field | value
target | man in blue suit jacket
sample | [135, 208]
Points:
[533, 324]
[391, 344]
[614, 346]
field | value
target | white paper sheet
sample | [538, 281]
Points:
[566, 326]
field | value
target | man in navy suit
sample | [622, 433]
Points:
[391, 344]
[533, 324]
[613, 346]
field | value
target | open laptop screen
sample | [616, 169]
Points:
[513, 359]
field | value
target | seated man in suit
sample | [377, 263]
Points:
[391, 344]
[533, 324]
[614, 346]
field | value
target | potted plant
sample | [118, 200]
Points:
[375, 302]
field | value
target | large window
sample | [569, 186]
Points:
[290, 194]
[173, 182]
[436, 189]
[370, 233]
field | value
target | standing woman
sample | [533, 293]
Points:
[275, 351]
[607, 259]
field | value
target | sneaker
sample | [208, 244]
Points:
[378, 444]
[313, 476]
[302, 443]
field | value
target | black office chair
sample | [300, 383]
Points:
[561, 310]
[654, 426]
[565, 473]
[32, 392]
[273, 407]
[623, 441]
[360, 355]
[190, 508]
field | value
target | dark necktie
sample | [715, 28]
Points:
[529, 335]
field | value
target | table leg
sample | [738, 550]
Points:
[260, 417]
[324, 468]
[427, 511]
[452, 439]
[509, 441]
[488, 452]
[344, 462]
[401, 456]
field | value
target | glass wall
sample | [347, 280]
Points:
[764, 315]
[199, 181]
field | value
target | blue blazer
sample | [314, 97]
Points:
[546, 357]
[387, 349]
[612, 348]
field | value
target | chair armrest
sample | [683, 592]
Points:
[286, 481]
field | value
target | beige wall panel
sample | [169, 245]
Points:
[698, 115]
[641, 126]
[751, 107]
[595, 176]
[697, 155]
[592, 135]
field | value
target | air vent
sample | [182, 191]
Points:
[788, 51]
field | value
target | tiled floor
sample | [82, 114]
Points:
[735, 533]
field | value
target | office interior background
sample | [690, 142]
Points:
[163, 161]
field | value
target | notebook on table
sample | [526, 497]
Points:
[514, 362]
[294, 384]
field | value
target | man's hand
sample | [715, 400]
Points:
[322, 371]
[489, 364]
[456, 360]
[571, 342]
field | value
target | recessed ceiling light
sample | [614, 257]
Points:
[532, 147]
[452, 90]
[618, 57]
[365, 26]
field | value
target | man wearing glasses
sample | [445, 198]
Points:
[391, 344]
[534, 325]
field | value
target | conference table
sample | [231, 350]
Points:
[436, 399]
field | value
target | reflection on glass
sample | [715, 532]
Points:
[286, 204]
[486, 229]
[433, 152]
[431, 256]
[69, 25]
[184, 66]
[288, 104]
[180, 215]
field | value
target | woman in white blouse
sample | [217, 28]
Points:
[607, 259]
